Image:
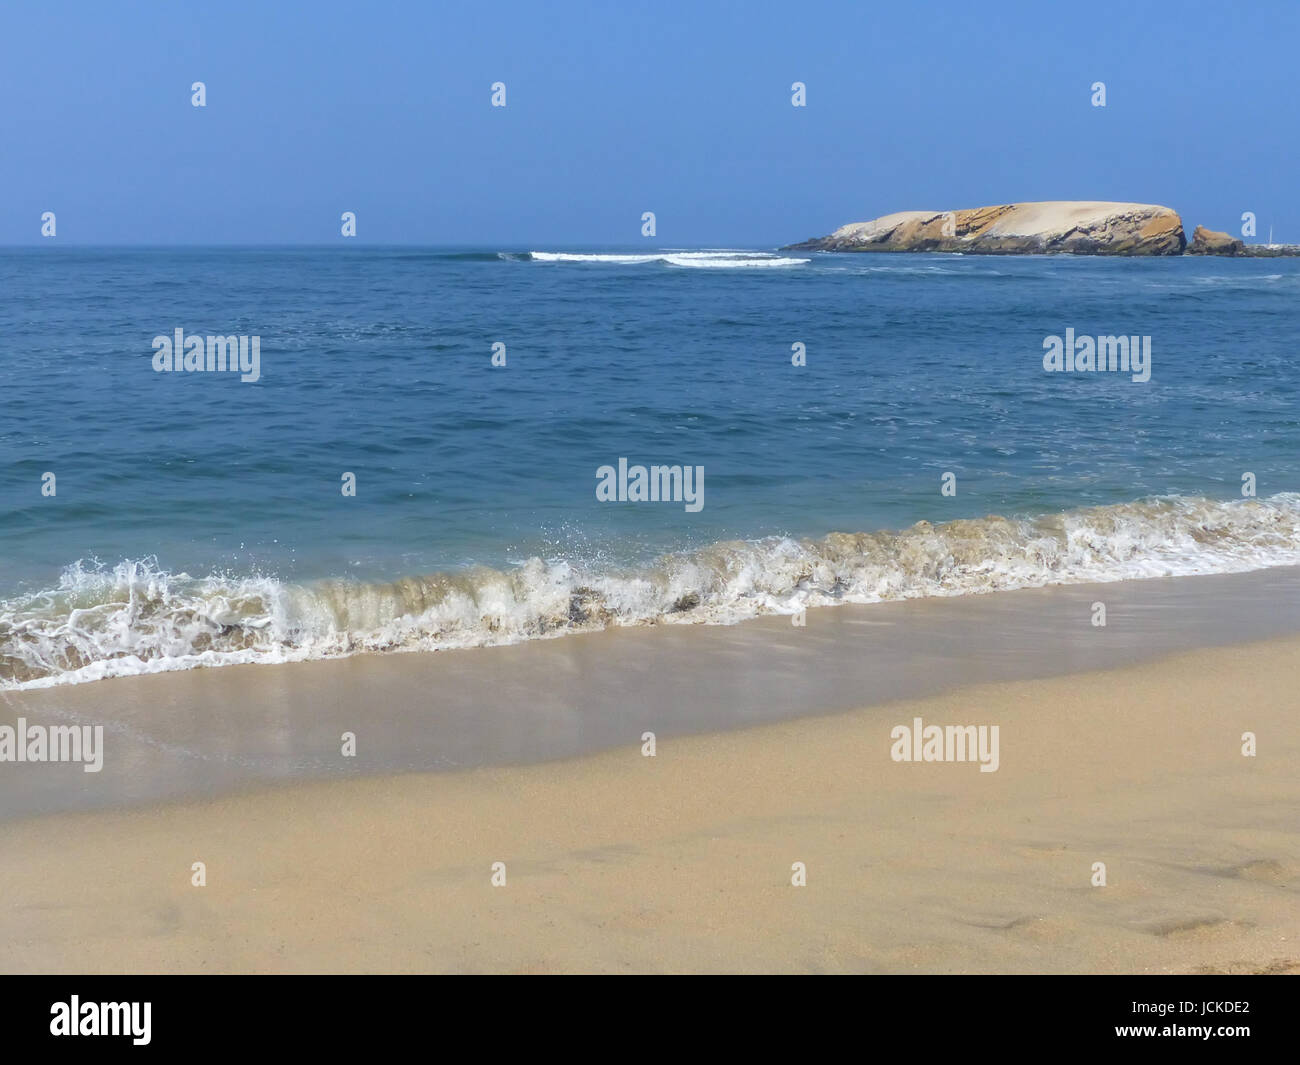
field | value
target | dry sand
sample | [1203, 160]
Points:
[682, 862]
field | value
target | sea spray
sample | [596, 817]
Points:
[136, 617]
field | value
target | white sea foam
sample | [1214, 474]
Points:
[137, 618]
[714, 260]
[733, 262]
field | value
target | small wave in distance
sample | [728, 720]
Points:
[698, 260]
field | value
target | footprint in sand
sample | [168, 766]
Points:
[1263, 870]
[1037, 928]
[1194, 927]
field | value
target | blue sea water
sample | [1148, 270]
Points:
[198, 519]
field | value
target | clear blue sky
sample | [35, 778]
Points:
[616, 108]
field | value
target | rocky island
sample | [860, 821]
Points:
[1079, 227]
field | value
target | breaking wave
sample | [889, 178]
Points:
[699, 260]
[136, 617]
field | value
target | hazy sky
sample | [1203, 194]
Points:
[617, 108]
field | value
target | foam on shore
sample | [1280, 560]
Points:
[137, 617]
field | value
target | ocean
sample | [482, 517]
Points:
[197, 519]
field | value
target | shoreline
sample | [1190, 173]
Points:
[616, 862]
[211, 732]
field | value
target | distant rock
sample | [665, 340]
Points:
[1210, 242]
[1082, 227]
[1272, 251]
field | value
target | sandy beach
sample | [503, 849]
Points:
[600, 490]
[682, 862]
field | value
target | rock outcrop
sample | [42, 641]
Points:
[1081, 227]
[1211, 242]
